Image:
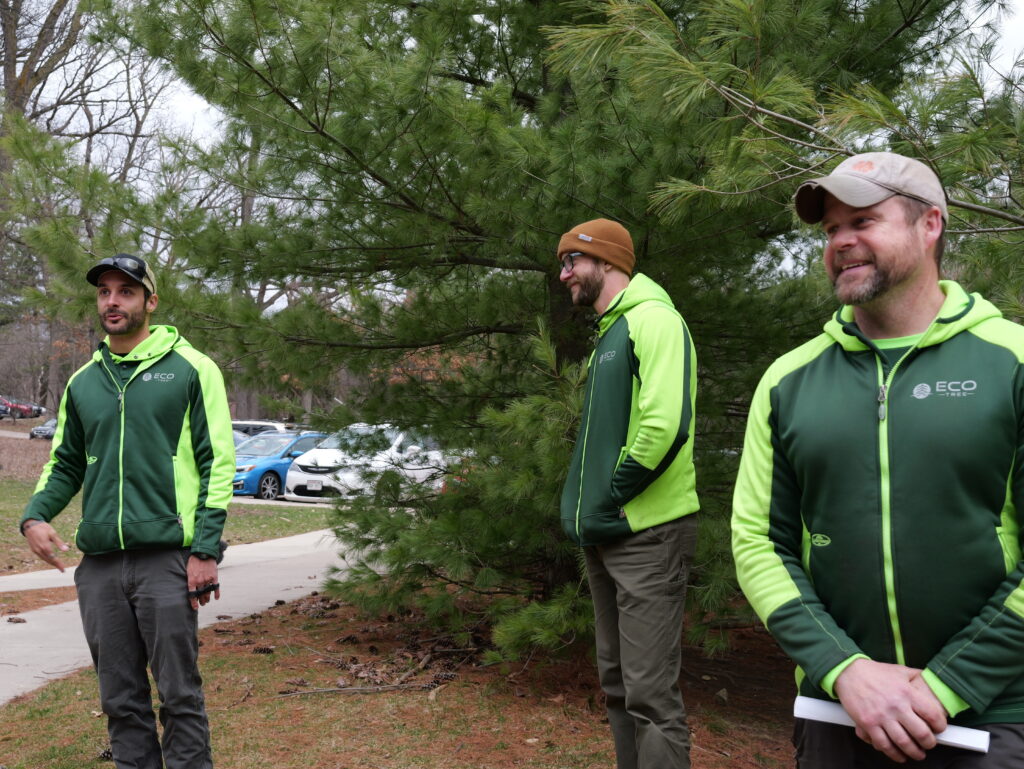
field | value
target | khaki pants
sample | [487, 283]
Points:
[638, 585]
[135, 613]
[827, 746]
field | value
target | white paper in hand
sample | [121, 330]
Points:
[833, 713]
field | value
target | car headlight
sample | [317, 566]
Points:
[244, 468]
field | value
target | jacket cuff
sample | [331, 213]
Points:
[829, 681]
[951, 701]
[629, 480]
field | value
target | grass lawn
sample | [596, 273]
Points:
[246, 523]
[310, 685]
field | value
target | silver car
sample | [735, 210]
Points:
[347, 461]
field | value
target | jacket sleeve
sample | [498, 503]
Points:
[666, 366]
[768, 541]
[214, 450]
[63, 474]
[982, 659]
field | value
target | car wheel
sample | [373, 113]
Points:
[270, 486]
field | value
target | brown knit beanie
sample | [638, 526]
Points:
[601, 238]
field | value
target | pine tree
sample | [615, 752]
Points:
[404, 171]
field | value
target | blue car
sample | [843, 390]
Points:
[262, 462]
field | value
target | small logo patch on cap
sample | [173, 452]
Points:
[585, 237]
[864, 167]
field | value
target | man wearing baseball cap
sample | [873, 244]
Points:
[629, 498]
[878, 508]
[144, 430]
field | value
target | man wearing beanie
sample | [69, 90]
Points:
[630, 495]
[144, 430]
[878, 510]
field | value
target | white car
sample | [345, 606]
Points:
[346, 462]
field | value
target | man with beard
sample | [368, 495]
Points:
[144, 430]
[877, 512]
[630, 494]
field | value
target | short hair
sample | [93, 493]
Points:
[913, 210]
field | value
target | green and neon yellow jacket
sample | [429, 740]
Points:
[147, 436]
[632, 467]
[878, 507]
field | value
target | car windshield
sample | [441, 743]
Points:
[360, 439]
[264, 444]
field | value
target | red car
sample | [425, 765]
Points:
[17, 409]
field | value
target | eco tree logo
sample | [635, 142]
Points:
[922, 391]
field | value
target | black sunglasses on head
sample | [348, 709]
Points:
[132, 266]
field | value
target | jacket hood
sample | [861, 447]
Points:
[160, 340]
[959, 311]
[640, 289]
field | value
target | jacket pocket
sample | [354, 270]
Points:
[93, 538]
[165, 531]
[623, 453]
[603, 525]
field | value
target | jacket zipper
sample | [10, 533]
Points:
[884, 385]
[592, 385]
[120, 451]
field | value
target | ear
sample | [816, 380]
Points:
[151, 303]
[931, 226]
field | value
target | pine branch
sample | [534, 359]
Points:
[523, 99]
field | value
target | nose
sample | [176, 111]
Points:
[564, 274]
[842, 238]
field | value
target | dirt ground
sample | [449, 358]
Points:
[739, 704]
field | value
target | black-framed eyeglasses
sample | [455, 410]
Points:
[569, 260]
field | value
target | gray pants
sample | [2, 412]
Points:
[826, 746]
[639, 588]
[135, 612]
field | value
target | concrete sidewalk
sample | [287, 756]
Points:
[50, 643]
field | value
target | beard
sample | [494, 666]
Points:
[130, 323]
[882, 279]
[588, 289]
[865, 291]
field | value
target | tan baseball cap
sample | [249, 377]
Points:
[867, 179]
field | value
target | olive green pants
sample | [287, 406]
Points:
[638, 585]
[135, 614]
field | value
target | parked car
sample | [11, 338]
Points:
[37, 410]
[347, 462]
[239, 437]
[256, 426]
[261, 463]
[17, 409]
[45, 430]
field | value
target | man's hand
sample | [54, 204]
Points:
[44, 542]
[894, 709]
[201, 574]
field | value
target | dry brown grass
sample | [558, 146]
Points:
[261, 674]
[22, 459]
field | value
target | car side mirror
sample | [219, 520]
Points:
[295, 454]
